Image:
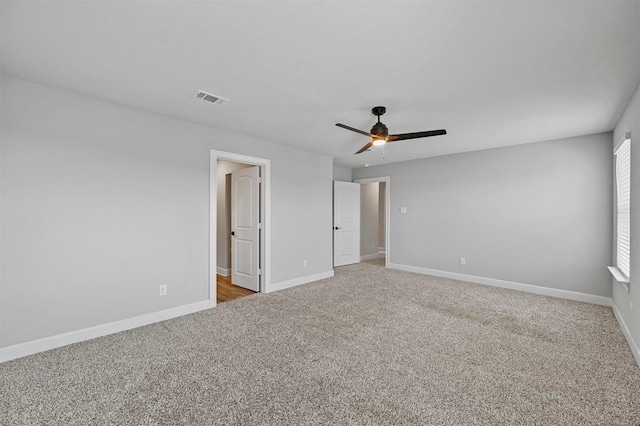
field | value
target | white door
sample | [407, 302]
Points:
[346, 223]
[245, 230]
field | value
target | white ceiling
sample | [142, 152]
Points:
[493, 73]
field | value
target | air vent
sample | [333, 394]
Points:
[208, 97]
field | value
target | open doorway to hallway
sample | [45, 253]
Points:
[239, 225]
[227, 287]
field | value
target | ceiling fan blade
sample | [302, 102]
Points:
[364, 148]
[405, 136]
[344, 126]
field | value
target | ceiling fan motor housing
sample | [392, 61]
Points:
[380, 129]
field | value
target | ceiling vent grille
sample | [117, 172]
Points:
[208, 97]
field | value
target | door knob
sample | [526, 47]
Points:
[233, 233]
[336, 228]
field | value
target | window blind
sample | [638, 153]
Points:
[623, 207]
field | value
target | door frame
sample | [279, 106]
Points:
[265, 208]
[387, 214]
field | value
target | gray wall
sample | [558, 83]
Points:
[369, 218]
[223, 218]
[630, 122]
[536, 214]
[342, 174]
[101, 203]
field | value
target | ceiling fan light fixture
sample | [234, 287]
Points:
[379, 142]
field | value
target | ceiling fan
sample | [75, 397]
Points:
[380, 133]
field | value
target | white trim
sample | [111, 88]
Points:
[299, 281]
[213, 224]
[265, 205]
[619, 277]
[387, 215]
[381, 250]
[529, 288]
[225, 272]
[627, 136]
[635, 350]
[64, 339]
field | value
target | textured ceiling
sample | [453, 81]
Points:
[492, 73]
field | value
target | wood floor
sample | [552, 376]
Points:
[228, 291]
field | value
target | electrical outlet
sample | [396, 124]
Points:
[403, 210]
[162, 290]
[463, 261]
[304, 263]
[373, 245]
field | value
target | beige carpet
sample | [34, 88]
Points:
[367, 347]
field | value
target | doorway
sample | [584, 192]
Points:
[239, 226]
[361, 221]
[372, 221]
[375, 219]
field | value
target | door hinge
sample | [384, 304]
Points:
[259, 226]
[259, 271]
[259, 180]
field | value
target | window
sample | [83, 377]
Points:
[623, 205]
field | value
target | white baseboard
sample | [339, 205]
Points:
[371, 256]
[225, 272]
[529, 288]
[381, 250]
[635, 350]
[299, 281]
[57, 341]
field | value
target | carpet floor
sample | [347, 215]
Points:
[369, 346]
